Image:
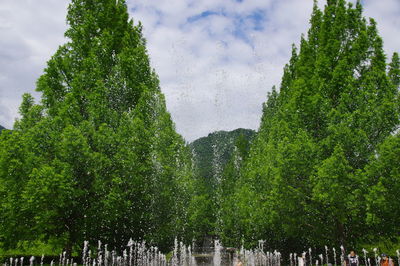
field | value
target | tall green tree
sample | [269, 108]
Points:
[99, 157]
[303, 183]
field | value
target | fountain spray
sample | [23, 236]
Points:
[365, 255]
[398, 256]
[334, 255]
[342, 254]
[326, 254]
[322, 259]
[376, 255]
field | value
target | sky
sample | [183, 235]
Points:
[216, 59]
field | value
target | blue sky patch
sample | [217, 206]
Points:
[253, 22]
[203, 15]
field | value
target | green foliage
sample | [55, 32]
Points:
[98, 158]
[394, 70]
[227, 227]
[214, 158]
[218, 148]
[382, 196]
[315, 174]
[202, 216]
[34, 248]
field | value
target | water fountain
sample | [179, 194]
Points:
[365, 256]
[136, 254]
[175, 253]
[141, 254]
[376, 255]
[334, 255]
[258, 257]
[217, 253]
[326, 255]
[342, 255]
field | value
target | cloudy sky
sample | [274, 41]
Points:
[216, 59]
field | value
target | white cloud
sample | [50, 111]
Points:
[221, 76]
[214, 71]
[30, 33]
[387, 15]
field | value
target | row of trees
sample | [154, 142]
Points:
[98, 158]
[324, 167]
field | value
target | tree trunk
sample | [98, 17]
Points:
[68, 248]
[341, 233]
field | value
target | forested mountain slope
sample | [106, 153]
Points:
[213, 152]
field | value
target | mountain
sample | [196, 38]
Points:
[1, 128]
[213, 152]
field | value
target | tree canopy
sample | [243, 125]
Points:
[98, 158]
[316, 173]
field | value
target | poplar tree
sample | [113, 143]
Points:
[303, 184]
[98, 158]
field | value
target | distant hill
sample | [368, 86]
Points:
[213, 152]
[1, 128]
